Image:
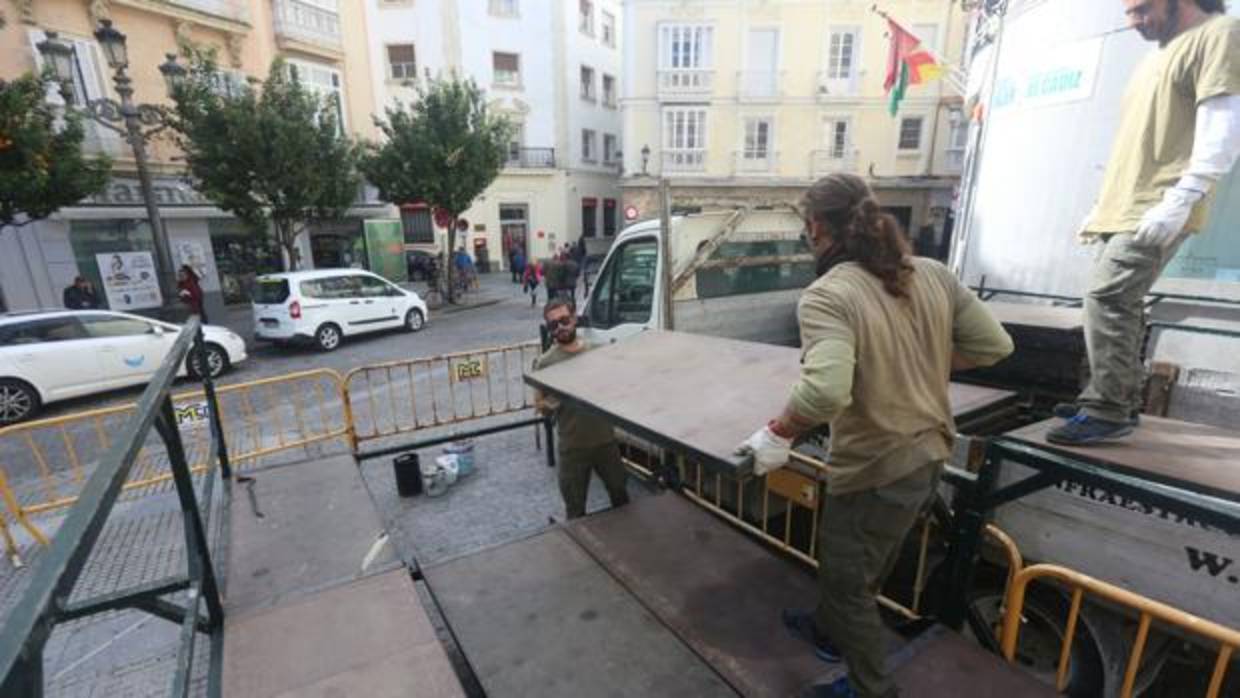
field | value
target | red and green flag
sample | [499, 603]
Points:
[907, 64]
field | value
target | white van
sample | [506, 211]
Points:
[325, 305]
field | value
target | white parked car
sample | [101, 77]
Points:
[53, 355]
[325, 305]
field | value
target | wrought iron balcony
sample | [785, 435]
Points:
[236, 10]
[532, 158]
[680, 82]
[308, 22]
[755, 162]
[684, 160]
[823, 162]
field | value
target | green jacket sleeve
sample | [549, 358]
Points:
[827, 360]
[976, 335]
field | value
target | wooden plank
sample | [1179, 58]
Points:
[366, 638]
[1197, 457]
[719, 590]
[1051, 317]
[697, 394]
[941, 664]
[539, 617]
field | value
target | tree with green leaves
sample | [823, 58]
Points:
[271, 153]
[444, 149]
[42, 166]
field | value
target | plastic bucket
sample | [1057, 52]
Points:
[464, 452]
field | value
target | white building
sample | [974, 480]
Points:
[553, 68]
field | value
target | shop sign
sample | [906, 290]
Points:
[167, 192]
[129, 280]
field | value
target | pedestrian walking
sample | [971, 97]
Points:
[881, 331]
[190, 291]
[532, 277]
[1179, 134]
[80, 295]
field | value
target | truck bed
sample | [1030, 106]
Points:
[661, 598]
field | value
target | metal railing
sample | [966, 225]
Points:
[52, 458]
[684, 160]
[824, 162]
[828, 88]
[686, 81]
[759, 84]
[1226, 639]
[228, 9]
[47, 600]
[531, 158]
[755, 162]
[305, 21]
[400, 397]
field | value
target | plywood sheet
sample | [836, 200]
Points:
[368, 638]
[1193, 456]
[941, 664]
[1037, 315]
[539, 617]
[697, 394]
[719, 590]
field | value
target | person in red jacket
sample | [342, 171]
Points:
[190, 292]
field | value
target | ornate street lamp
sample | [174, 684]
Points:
[645, 158]
[113, 44]
[138, 123]
[173, 72]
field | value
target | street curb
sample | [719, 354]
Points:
[453, 309]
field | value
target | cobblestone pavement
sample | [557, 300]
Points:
[510, 495]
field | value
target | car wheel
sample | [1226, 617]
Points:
[327, 337]
[217, 361]
[18, 401]
[414, 321]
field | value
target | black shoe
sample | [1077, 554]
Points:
[1068, 410]
[801, 625]
[1083, 430]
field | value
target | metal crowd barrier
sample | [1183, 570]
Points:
[262, 418]
[1147, 611]
[48, 600]
[400, 397]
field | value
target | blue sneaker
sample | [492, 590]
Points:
[839, 688]
[1083, 430]
[801, 625]
[1068, 410]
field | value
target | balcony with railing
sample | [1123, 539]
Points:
[746, 162]
[824, 162]
[829, 87]
[680, 82]
[684, 160]
[530, 158]
[308, 23]
[759, 85]
[236, 10]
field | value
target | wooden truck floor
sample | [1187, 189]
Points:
[661, 598]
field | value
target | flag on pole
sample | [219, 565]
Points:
[907, 64]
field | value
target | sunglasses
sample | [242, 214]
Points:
[561, 322]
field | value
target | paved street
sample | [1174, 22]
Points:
[505, 317]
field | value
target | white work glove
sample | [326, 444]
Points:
[769, 450]
[1163, 225]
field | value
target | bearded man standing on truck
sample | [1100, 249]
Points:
[584, 443]
[1179, 134]
[881, 331]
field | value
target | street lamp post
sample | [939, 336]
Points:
[137, 123]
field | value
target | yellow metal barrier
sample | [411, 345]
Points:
[43, 463]
[399, 397]
[1148, 610]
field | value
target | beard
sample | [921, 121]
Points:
[568, 337]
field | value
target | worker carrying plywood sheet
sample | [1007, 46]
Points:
[881, 331]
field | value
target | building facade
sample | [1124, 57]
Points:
[750, 102]
[324, 41]
[553, 69]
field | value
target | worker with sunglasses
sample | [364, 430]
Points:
[585, 443]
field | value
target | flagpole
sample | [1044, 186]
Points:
[954, 76]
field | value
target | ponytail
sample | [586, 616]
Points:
[860, 231]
